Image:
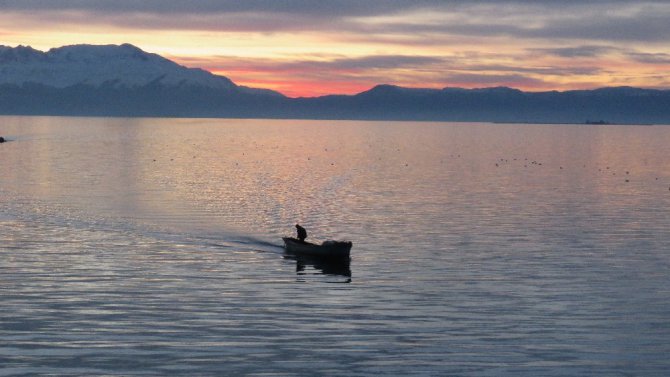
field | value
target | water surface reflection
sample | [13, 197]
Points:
[150, 246]
[305, 265]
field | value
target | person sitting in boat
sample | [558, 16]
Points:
[302, 233]
[2, 139]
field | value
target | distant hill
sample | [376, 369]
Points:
[500, 104]
[123, 80]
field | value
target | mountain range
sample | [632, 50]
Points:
[123, 80]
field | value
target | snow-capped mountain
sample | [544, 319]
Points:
[96, 65]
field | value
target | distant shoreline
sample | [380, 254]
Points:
[328, 119]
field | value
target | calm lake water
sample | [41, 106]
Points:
[153, 247]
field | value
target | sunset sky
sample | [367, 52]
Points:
[309, 48]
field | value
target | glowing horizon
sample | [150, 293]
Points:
[344, 47]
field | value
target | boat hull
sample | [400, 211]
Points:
[328, 249]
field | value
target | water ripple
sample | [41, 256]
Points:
[152, 247]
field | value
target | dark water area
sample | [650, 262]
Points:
[153, 247]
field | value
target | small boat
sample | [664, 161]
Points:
[328, 249]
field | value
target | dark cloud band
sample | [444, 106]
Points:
[595, 20]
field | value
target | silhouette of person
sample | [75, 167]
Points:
[2, 139]
[302, 233]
